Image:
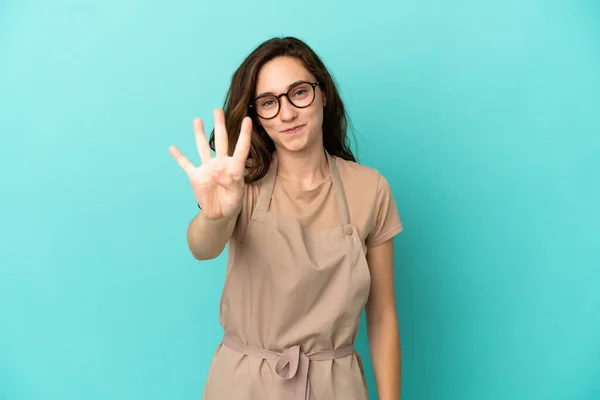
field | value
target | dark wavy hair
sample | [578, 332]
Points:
[241, 94]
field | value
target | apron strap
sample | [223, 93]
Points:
[338, 188]
[266, 186]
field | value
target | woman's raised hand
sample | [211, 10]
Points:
[218, 183]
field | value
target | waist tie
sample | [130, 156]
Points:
[296, 361]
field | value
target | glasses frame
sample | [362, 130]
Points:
[287, 96]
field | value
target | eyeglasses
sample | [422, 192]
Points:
[301, 95]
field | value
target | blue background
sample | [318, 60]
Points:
[484, 117]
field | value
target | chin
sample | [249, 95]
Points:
[290, 146]
[295, 148]
[298, 145]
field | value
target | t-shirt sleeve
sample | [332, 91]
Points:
[386, 223]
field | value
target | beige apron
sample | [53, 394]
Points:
[290, 308]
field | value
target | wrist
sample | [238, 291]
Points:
[216, 222]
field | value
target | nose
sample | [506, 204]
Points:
[287, 112]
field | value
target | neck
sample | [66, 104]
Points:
[305, 169]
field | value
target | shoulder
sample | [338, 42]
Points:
[351, 169]
[361, 179]
[370, 200]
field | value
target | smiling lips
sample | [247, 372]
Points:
[294, 129]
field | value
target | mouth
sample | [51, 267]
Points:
[293, 129]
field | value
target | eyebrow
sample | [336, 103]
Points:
[295, 83]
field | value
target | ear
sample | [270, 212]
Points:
[324, 98]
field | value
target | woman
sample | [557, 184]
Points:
[309, 233]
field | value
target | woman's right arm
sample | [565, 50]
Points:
[207, 237]
[218, 186]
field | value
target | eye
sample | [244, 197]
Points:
[268, 103]
[300, 92]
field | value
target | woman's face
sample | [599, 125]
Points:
[276, 77]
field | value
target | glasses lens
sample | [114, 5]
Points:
[301, 95]
[267, 106]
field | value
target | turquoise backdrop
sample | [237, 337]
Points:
[484, 116]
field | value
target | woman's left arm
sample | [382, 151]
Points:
[382, 322]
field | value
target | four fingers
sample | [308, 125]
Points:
[221, 145]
